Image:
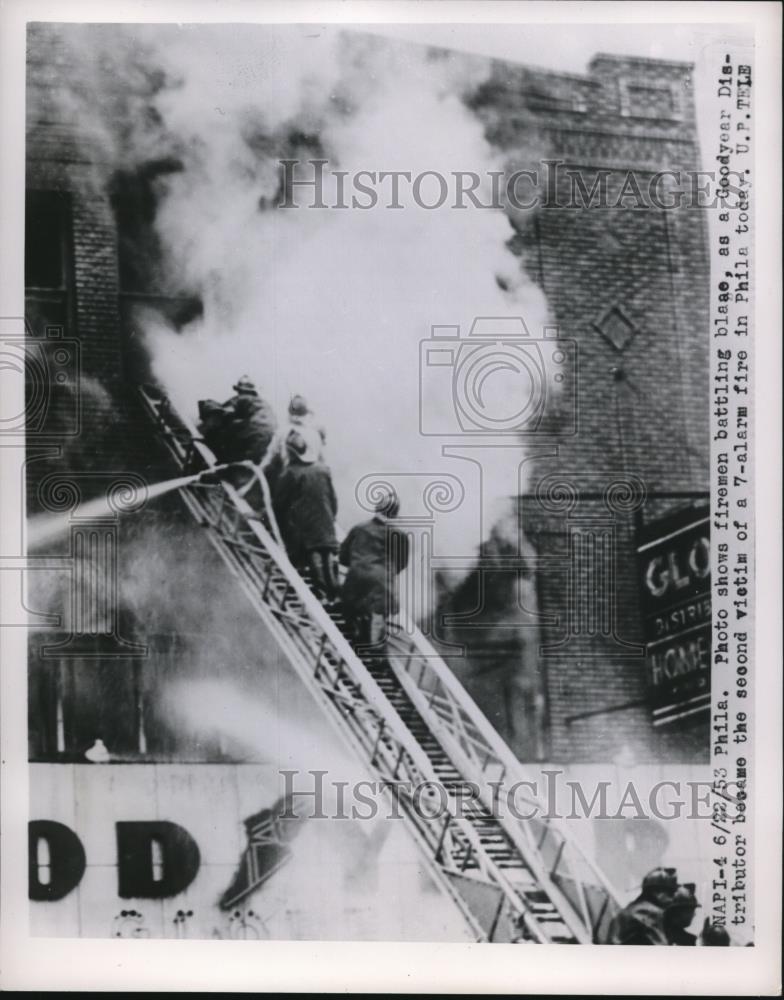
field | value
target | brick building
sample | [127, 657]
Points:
[627, 284]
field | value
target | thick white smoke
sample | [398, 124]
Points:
[331, 303]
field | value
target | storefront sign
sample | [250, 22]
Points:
[674, 567]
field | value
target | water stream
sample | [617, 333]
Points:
[48, 527]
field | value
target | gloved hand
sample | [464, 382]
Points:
[713, 935]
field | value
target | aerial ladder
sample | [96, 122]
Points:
[411, 722]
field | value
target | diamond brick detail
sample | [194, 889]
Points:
[616, 328]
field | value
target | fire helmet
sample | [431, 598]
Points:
[661, 880]
[388, 504]
[298, 406]
[300, 448]
[685, 897]
[245, 384]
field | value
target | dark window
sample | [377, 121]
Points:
[134, 196]
[47, 260]
[46, 219]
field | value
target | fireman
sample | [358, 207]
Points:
[642, 921]
[301, 415]
[250, 422]
[305, 508]
[300, 418]
[249, 425]
[679, 915]
[375, 553]
[714, 935]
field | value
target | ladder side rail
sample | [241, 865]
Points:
[576, 918]
[477, 720]
[421, 664]
[576, 867]
[161, 411]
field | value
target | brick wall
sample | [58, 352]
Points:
[67, 153]
[57, 163]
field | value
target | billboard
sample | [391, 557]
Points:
[193, 851]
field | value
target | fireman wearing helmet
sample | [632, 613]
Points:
[301, 415]
[301, 419]
[375, 553]
[680, 914]
[643, 920]
[240, 431]
[250, 423]
[305, 507]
